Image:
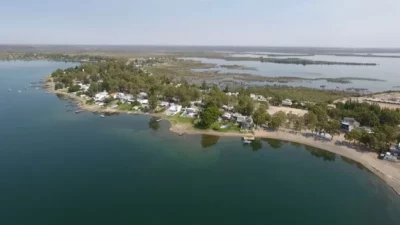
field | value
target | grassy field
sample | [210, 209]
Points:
[178, 119]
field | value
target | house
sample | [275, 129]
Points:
[234, 116]
[196, 103]
[247, 124]
[348, 124]
[173, 110]
[226, 116]
[123, 97]
[261, 98]
[367, 129]
[232, 93]
[287, 102]
[99, 97]
[227, 108]
[164, 104]
[142, 95]
[189, 112]
[84, 87]
[143, 101]
[241, 119]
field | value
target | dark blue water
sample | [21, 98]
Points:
[58, 167]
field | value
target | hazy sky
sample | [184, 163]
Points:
[332, 23]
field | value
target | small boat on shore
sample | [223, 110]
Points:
[158, 120]
[102, 116]
[248, 139]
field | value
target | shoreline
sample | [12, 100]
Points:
[387, 171]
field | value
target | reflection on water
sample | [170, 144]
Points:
[273, 143]
[256, 145]
[154, 124]
[327, 156]
[208, 140]
[352, 162]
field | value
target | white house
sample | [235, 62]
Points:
[143, 101]
[119, 95]
[142, 95]
[99, 97]
[83, 87]
[189, 112]
[227, 108]
[164, 104]
[259, 98]
[287, 102]
[232, 93]
[173, 110]
[227, 116]
[348, 124]
[241, 119]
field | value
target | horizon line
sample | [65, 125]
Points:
[191, 45]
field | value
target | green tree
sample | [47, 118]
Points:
[310, 120]
[298, 123]
[58, 86]
[208, 117]
[245, 105]
[204, 85]
[153, 102]
[260, 115]
[332, 127]
[277, 120]
[349, 136]
[74, 88]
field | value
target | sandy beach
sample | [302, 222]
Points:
[388, 171]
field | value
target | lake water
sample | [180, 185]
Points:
[58, 167]
[388, 69]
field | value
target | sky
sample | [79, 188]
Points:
[314, 23]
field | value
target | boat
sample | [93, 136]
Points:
[246, 142]
[37, 88]
[9, 89]
[102, 116]
[19, 91]
[248, 139]
[78, 111]
[158, 120]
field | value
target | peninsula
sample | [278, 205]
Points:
[298, 114]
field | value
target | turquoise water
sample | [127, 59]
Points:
[388, 69]
[57, 167]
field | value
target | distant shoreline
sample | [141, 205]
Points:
[387, 171]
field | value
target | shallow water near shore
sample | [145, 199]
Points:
[387, 70]
[58, 167]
